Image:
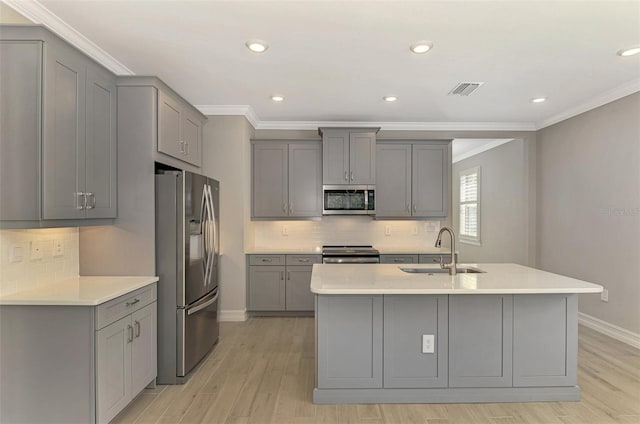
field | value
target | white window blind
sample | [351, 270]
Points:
[470, 206]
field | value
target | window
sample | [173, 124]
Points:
[470, 206]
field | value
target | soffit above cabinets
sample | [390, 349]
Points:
[335, 61]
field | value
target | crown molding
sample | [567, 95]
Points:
[480, 149]
[609, 96]
[36, 12]
[233, 110]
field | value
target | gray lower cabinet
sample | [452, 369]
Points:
[57, 132]
[480, 340]
[433, 259]
[80, 364]
[280, 283]
[407, 320]
[349, 348]
[412, 179]
[545, 340]
[286, 179]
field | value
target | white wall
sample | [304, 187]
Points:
[227, 158]
[503, 203]
[28, 273]
[589, 206]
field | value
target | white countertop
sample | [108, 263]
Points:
[389, 279]
[78, 291]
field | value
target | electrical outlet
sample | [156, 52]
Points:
[36, 251]
[16, 253]
[430, 226]
[387, 230]
[428, 343]
[285, 230]
[58, 247]
[414, 230]
[604, 296]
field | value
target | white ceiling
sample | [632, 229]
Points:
[335, 60]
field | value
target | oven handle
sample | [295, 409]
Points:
[361, 260]
[202, 306]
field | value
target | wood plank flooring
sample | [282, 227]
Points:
[262, 372]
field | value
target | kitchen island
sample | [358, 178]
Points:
[383, 335]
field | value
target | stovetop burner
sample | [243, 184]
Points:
[350, 254]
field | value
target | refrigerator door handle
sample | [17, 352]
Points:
[213, 221]
[203, 305]
[203, 219]
[208, 220]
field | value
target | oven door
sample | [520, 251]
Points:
[351, 260]
[198, 331]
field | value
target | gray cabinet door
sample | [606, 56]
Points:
[191, 135]
[143, 348]
[398, 259]
[298, 292]
[64, 133]
[113, 369]
[430, 188]
[267, 288]
[349, 341]
[480, 340]
[20, 125]
[433, 259]
[270, 180]
[169, 120]
[393, 180]
[545, 340]
[305, 179]
[100, 154]
[362, 158]
[335, 157]
[406, 320]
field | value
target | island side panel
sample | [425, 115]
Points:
[545, 340]
[349, 341]
[480, 340]
[406, 319]
[47, 364]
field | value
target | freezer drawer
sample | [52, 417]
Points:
[198, 331]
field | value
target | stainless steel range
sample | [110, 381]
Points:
[350, 255]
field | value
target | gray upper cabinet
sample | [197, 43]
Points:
[286, 180]
[58, 136]
[412, 180]
[349, 156]
[179, 129]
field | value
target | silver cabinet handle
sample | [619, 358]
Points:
[186, 148]
[415, 207]
[266, 260]
[181, 146]
[136, 324]
[80, 200]
[396, 260]
[284, 207]
[87, 205]
[290, 208]
[133, 302]
[288, 275]
[351, 175]
[346, 178]
[408, 208]
[282, 275]
[130, 334]
[304, 260]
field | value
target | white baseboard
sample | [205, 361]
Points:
[233, 315]
[613, 331]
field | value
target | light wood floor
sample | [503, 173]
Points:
[262, 371]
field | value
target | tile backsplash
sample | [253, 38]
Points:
[344, 230]
[20, 267]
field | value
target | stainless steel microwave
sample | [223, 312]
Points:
[349, 200]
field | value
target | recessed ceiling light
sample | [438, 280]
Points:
[277, 98]
[421, 47]
[538, 99]
[629, 51]
[389, 98]
[257, 46]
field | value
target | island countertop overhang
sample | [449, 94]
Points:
[327, 279]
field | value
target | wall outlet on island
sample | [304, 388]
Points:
[604, 296]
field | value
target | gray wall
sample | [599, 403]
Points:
[227, 158]
[588, 209]
[503, 204]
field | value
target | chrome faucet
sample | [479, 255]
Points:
[451, 266]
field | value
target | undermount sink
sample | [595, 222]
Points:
[459, 270]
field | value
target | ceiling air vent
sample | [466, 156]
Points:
[465, 88]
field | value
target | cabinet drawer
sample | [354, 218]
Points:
[433, 259]
[303, 259]
[398, 259]
[122, 306]
[266, 260]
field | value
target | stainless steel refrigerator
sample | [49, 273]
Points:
[187, 250]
